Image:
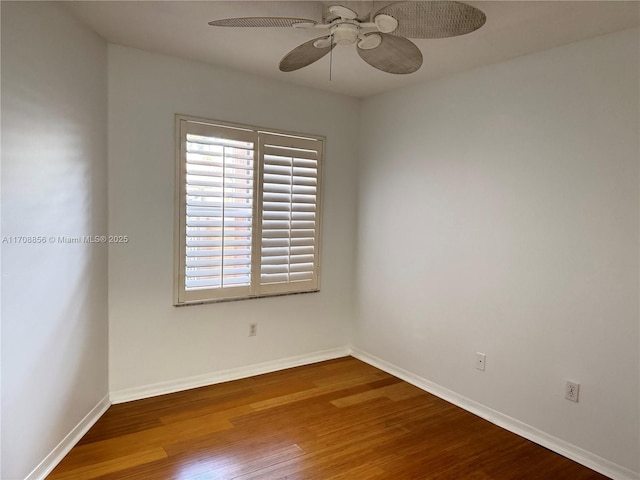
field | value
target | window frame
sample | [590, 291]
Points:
[182, 295]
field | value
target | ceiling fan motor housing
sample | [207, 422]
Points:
[345, 33]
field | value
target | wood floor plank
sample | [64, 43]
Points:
[397, 391]
[219, 415]
[94, 470]
[341, 420]
[113, 448]
[324, 388]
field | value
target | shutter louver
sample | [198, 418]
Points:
[219, 212]
[290, 173]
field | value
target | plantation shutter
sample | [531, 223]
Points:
[248, 213]
[289, 224]
[218, 211]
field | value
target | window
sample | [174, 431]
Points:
[248, 212]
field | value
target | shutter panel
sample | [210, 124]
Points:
[218, 179]
[289, 224]
[248, 216]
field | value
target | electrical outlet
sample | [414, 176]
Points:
[571, 391]
[253, 329]
[481, 360]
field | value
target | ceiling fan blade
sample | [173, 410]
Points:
[305, 54]
[393, 55]
[261, 22]
[434, 19]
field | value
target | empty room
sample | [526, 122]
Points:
[320, 240]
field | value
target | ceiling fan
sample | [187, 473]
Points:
[380, 37]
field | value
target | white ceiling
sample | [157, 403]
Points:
[179, 28]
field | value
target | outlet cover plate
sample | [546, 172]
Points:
[572, 391]
[481, 360]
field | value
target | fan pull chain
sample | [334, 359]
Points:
[330, 56]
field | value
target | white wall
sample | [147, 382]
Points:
[54, 296]
[152, 341]
[499, 212]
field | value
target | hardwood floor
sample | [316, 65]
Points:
[340, 419]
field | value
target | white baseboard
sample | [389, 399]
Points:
[57, 454]
[588, 459]
[172, 386]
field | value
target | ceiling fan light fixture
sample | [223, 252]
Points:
[343, 12]
[385, 23]
[323, 42]
[345, 34]
[369, 42]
